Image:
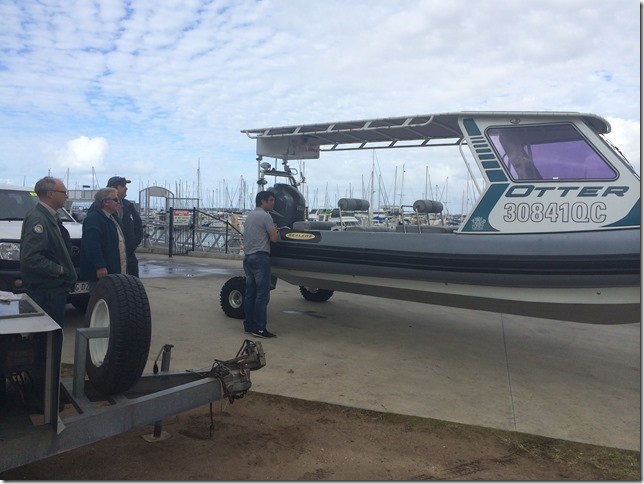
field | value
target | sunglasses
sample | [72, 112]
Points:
[59, 191]
[113, 199]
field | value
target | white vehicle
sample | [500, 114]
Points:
[15, 202]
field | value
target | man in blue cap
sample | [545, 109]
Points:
[130, 222]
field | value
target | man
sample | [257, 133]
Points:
[103, 244]
[45, 250]
[130, 222]
[259, 232]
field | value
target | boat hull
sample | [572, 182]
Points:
[591, 277]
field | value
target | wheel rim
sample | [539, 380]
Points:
[236, 299]
[312, 290]
[100, 319]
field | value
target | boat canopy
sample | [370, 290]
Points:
[306, 141]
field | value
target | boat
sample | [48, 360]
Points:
[338, 219]
[554, 233]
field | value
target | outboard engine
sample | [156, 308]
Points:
[290, 205]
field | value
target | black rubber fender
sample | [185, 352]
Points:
[115, 364]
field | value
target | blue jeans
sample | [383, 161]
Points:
[257, 268]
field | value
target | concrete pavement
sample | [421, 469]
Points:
[552, 378]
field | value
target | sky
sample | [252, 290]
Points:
[159, 91]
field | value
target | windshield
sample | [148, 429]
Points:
[14, 205]
[554, 152]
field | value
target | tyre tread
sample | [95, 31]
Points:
[237, 283]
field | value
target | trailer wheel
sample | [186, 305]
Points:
[314, 294]
[119, 302]
[231, 297]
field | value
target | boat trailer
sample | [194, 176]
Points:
[71, 412]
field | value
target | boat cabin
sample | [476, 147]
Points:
[540, 171]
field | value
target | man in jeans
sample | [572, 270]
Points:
[259, 232]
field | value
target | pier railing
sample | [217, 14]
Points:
[186, 230]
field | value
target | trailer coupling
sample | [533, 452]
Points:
[250, 357]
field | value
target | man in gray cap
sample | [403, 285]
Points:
[130, 222]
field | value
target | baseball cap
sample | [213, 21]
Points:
[115, 181]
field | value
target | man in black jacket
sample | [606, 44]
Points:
[45, 250]
[130, 222]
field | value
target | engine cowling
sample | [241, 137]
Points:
[290, 205]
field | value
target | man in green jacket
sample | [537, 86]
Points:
[45, 250]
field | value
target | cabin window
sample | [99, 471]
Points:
[552, 152]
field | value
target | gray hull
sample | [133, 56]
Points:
[590, 277]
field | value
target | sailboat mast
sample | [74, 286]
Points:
[371, 187]
[402, 183]
[393, 201]
[426, 175]
[199, 181]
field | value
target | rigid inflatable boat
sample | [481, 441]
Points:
[554, 233]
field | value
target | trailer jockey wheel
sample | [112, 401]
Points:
[118, 302]
[231, 297]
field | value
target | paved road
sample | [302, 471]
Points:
[557, 379]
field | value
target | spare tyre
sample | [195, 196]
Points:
[119, 302]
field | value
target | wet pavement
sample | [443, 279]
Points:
[164, 266]
[564, 380]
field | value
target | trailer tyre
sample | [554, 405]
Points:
[231, 297]
[314, 294]
[120, 303]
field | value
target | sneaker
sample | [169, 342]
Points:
[263, 333]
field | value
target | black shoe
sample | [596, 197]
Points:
[264, 333]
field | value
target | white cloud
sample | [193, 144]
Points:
[627, 135]
[84, 153]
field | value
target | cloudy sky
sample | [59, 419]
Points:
[153, 89]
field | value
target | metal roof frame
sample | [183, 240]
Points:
[404, 131]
